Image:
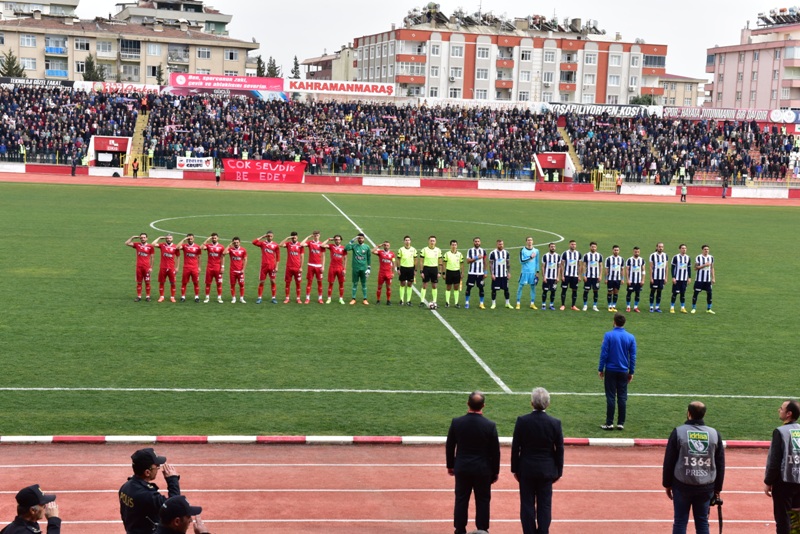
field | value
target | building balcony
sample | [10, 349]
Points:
[411, 58]
[791, 62]
[791, 82]
[130, 56]
[129, 78]
[568, 66]
[710, 68]
[55, 51]
[322, 74]
[410, 79]
[177, 58]
[567, 87]
[504, 84]
[653, 71]
[110, 54]
[56, 73]
[653, 91]
[505, 63]
[708, 87]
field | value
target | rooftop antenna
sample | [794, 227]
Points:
[480, 8]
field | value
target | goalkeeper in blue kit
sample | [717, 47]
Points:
[528, 275]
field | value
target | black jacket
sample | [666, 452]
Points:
[139, 502]
[537, 448]
[20, 526]
[473, 446]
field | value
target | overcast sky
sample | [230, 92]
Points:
[308, 27]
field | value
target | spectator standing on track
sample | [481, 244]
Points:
[473, 458]
[33, 505]
[177, 515]
[537, 461]
[694, 469]
[134, 167]
[616, 368]
[139, 499]
[683, 193]
[782, 478]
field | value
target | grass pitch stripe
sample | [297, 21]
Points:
[436, 314]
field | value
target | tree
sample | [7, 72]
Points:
[160, 74]
[644, 100]
[10, 67]
[296, 69]
[261, 68]
[91, 73]
[273, 70]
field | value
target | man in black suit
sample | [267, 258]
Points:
[537, 461]
[473, 457]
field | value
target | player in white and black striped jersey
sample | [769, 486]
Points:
[500, 269]
[476, 270]
[569, 271]
[634, 276]
[591, 270]
[658, 276]
[613, 275]
[704, 279]
[550, 265]
[681, 276]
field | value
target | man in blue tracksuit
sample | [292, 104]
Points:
[616, 368]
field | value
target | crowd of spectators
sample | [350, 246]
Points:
[353, 137]
[52, 125]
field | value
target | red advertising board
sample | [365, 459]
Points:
[550, 160]
[262, 170]
[110, 144]
[212, 81]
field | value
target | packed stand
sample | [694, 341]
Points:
[53, 125]
[352, 137]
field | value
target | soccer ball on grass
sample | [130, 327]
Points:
[433, 306]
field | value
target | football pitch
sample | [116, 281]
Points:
[80, 357]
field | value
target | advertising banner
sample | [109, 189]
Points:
[110, 144]
[785, 116]
[552, 160]
[262, 170]
[340, 88]
[195, 164]
[212, 81]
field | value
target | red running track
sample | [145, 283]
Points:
[364, 489]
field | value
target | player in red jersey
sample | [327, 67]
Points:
[191, 265]
[144, 263]
[316, 264]
[270, 257]
[166, 267]
[215, 267]
[385, 272]
[337, 267]
[238, 256]
[294, 264]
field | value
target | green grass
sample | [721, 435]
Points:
[69, 321]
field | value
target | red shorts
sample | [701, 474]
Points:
[163, 274]
[292, 275]
[336, 275]
[142, 273]
[385, 278]
[194, 276]
[313, 273]
[265, 272]
[213, 274]
[237, 276]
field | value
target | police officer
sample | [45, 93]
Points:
[33, 505]
[782, 479]
[694, 469]
[139, 499]
[177, 515]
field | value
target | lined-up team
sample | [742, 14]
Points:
[567, 269]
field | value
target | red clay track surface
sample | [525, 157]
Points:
[365, 489]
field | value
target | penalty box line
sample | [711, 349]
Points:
[448, 326]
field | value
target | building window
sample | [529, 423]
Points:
[481, 74]
[152, 71]
[687, 101]
[785, 93]
[82, 44]
[481, 94]
[27, 40]
[524, 96]
[457, 51]
[547, 96]
[738, 95]
[590, 59]
[755, 55]
[720, 77]
[203, 53]
[774, 94]
[371, 72]
[549, 56]
[525, 55]
[2, 38]
[433, 92]
[634, 81]
[391, 70]
[231, 73]
[741, 57]
[130, 73]
[612, 99]
[455, 92]
[383, 71]
[739, 76]
[391, 48]
[372, 52]
[777, 54]
[775, 74]
[613, 80]
[588, 79]
[385, 49]
[752, 96]
[721, 58]
[410, 69]
[547, 77]
[483, 52]
[719, 96]
[80, 67]
[672, 101]
[635, 61]
[105, 48]
[525, 76]
[435, 49]
[587, 98]
[153, 49]
[231, 54]
[455, 72]
[28, 63]
[614, 60]
[434, 71]
[689, 87]
[359, 54]
[203, 71]
[755, 75]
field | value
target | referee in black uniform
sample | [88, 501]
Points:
[139, 499]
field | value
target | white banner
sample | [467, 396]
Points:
[195, 164]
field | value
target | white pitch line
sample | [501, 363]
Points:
[343, 465]
[375, 490]
[436, 314]
[604, 520]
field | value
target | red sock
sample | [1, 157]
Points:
[388, 293]
[139, 290]
[341, 291]
[260, 290]
[172, 291]
[319, 288]
[330, 290]
[274, 288]
[160, 290]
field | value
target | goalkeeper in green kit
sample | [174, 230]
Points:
[362, 256]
